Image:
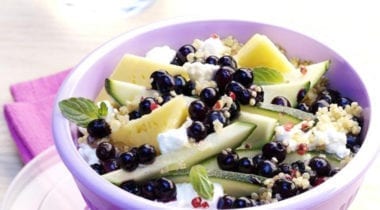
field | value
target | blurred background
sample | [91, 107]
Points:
[42, 37]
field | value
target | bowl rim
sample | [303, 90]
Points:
[69, 154]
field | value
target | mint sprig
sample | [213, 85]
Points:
[201, 182]
[267, 76]
[82, 111]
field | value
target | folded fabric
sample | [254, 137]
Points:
[29, 117]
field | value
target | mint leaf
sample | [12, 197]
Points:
[201, 182]
[267, 76]
[103, 110]
[80, 111]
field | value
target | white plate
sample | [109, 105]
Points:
[44, 184]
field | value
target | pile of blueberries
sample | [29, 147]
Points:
[230, 81]
[160, 189]
[269, 163]
[107, 154]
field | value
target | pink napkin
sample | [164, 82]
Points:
[29, 117]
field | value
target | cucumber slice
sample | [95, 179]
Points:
[315, 72]
[230, 136]
[288, 90]
[281, 113]
[234, 184]
[123, 92]
[263, 132]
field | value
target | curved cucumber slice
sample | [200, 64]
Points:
[230, 136]
[281, 113]
[123, 92]
[234, 184]
[288, 90]
[315, 72]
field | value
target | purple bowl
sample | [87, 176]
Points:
[87, 80]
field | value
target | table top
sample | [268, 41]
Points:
[38, 38]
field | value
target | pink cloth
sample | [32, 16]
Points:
[29, 117]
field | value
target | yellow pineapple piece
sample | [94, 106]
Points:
[137, 70]
[260, 51]
[145, 129]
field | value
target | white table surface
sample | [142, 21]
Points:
[41, 37]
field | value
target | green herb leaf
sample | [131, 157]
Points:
[80, 110]
[103, 110]
[267, 76]
[201, 182]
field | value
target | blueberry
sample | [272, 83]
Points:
[242, 202]
[301, 95]
[176, 61]
[146, 154]
[244, 76]
[134, 115]
[165, 98]
[228, 160]
[353, 142]
[165, 190]
[331, 96]
[154, 77]
[128, 161]
[318, 104]
[227, 60]
[165, 83]
[320, 165]
[225, 202]
[184, 51]
[303, 107]
[285, 188]
[234, 110]
[223, 76]
[148, 190]
[197, 131]
[245, 165]
[274, 149]
[211, 117]
[259, 96]
[242, 94]
[281, 101]
[179, 83]
[98, 128]
[267, 169]
[285, 168]
[189, 88]
[344, 101]
[131, 186]
[98, 168]
[105, 151]
[198, 110]
[257, 160]
[146, 104]
[299, 166]
[209, 96]
[110, 165]
[212, 59]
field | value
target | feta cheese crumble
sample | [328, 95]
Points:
[163, 54]
[211, 46]
[88, 153]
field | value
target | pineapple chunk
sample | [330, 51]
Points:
[260, 51]
[145, 129]
[137, 70]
